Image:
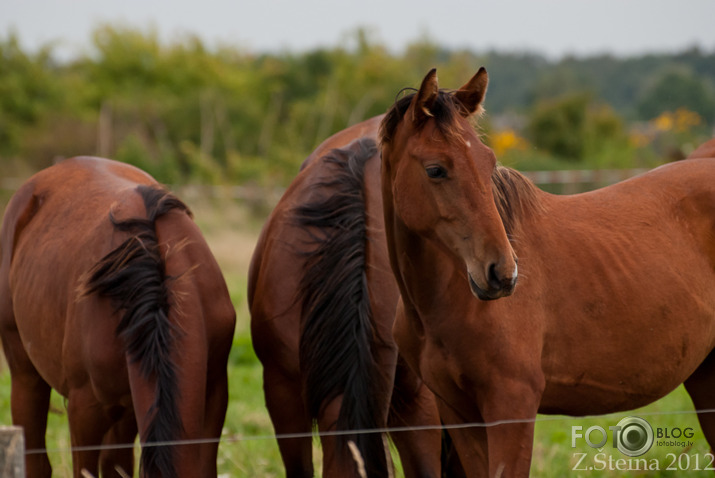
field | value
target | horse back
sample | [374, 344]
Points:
[686, 191]
[364, 129]
[633, 263]
[55, 227]
[705, 150]
[108, 271]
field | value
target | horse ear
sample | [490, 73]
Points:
[472, 93]
[425, 97]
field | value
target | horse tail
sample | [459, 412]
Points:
[133, 277]
[337, 342]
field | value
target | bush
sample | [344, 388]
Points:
[574, 127]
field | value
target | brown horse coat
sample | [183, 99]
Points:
[110, 295]
[615, 301]
[705, 150]
[322, 301]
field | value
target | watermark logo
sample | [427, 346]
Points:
[632, 436]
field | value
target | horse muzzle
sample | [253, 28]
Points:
[497, 286]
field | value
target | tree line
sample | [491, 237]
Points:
[188, 113]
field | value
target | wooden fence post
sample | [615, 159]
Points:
[12, 452]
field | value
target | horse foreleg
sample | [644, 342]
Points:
[414, 405]
[701, 387]
[30, 402]
[509, 410]
[470, 442]
[288, 414]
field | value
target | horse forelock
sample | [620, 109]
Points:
[514, 195]
[447, 113]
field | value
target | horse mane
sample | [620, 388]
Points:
[133, 277]
[514, 194]
[336, 320]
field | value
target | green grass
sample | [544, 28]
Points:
[554, 456]
[247, 449]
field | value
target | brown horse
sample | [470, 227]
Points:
[322, 299]
[705, 150]
[615, 302]
[109, 294]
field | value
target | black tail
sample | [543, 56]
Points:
[133, 276]
[337, 341]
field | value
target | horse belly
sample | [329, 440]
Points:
[635, 366]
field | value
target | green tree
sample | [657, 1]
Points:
[29, 91]
[678, 88]
[559, 126]
[574, 126]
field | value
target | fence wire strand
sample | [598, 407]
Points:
[236, 438]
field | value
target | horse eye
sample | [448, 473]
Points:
[436, 172]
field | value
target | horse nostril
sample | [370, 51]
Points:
[498, 282]
[493, 278]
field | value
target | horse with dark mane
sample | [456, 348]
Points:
[624, 271]
[322, 301]
[109, 294]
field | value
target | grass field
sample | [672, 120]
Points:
[247, 449]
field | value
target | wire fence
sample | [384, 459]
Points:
[234, 438]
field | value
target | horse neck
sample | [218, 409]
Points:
[426, 275]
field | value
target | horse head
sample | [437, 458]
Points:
[437, 179]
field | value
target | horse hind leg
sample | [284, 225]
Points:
[701, 387]
[289, 416]
[30, 402]
[414, 405]
[338, 459]
[89, 423]
[117, 459]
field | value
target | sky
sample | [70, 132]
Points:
[551, 27]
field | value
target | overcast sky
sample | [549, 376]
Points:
[552, 27]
